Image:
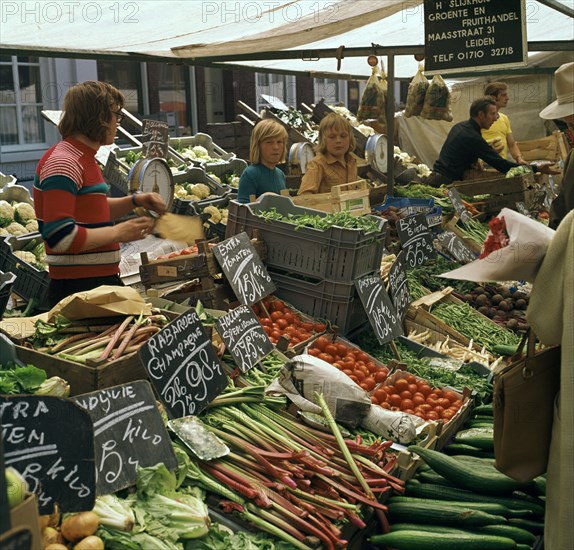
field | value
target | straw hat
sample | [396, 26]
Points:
[564, 87]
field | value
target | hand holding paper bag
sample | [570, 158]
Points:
[519, 260]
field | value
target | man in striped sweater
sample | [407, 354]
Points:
[75, 215]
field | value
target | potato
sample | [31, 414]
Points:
[79, 526]
[56, 546]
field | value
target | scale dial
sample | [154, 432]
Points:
[301, 154]
[376, 152]
[153, 175]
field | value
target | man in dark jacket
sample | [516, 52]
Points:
[464, 145]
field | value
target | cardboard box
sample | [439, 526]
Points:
[26, 515]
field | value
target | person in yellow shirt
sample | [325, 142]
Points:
[499, 135]
[333, 164]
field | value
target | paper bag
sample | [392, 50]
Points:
[518, 261]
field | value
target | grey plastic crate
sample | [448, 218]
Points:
[30, 283]
[192, 208]
[336, 254]
[337, 303]
[204, 140]
[6, 282]
[234, 166]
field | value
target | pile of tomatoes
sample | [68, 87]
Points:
[417, 397]
[356, 364]
[285, 321]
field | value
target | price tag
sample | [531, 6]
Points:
[400, 286]
[416, 240]
[50, 441]
[155, 138]
[471, 35]
[380, 311]
[183, 366]
[456, 247]
[244, 269]
[459, 207]
[244, 337]
[129, 433]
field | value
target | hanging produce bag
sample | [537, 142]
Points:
[373, 101]
[416, 94]
[437, 101]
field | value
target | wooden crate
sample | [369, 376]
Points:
[551, 148]
[501, 192]
[188, 267]
[350, 197]
[83, 378]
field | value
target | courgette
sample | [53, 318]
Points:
[430, 528]
[469, 450]
[483, 418]
[536, 527]
[440, 492]
[483, 438]
[486, 410]
[518, 535]
[417, 540]
[488, 507]
[443, 514]
[430, 476]
[478, 424]
[487, 480]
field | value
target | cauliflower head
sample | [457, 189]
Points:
[200, 151]
[16, 228]
[214, 177]
[214, 213]
[180, 192]
[200, 190]
[32, 226]
[24, 212]
[25, 256]
[6, 213]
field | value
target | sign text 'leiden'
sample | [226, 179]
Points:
[473, 34]
[50, 442]
[380, 311]
[128, 432]
[183, 366]
[244, 337]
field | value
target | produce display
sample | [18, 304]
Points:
[281, 321]
[299, 469]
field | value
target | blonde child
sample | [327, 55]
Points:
[334, 163]
[267, 149]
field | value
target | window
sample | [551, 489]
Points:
[332, 90]
[278, 86]
[125, 76]
[168, 92]
[20, 101]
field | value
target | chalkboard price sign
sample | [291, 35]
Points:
[244, 337]
[399, 286]
[129, 433]
[380, 311]
[244, 269]
[155, 138]
[183, 366]
[19, 538]
[456, 247]
[459, 207]
[416, 240]
[473, 34]
[50, 441]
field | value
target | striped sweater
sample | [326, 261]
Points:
[70, 196]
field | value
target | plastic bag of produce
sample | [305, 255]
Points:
[416, 94]
[513, 250]
[437, 100]
[374, 100]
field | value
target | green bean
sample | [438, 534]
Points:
[473, 325]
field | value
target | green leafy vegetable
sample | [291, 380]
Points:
[15, 379]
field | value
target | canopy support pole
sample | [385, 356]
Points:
[390, 122]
